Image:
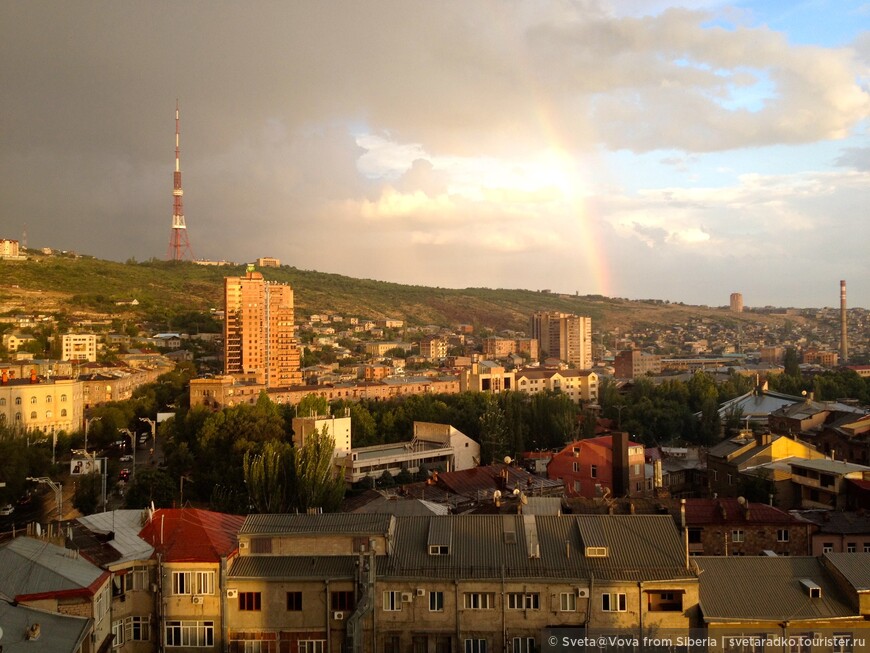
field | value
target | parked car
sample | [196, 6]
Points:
[7, 510]
[126, 458]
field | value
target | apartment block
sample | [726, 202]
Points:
[37, 405]
[79, 347]
[433, 347]
[504, 347]
[634, 363]
[606, 466]
[579, 385]
[259, 340]
[355, 582]
[564, 336]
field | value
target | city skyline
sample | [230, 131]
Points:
[678, 151]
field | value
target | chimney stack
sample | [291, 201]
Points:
[844, 340]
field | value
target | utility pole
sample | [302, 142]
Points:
[58, 492]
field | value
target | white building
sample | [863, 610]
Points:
[79, 347]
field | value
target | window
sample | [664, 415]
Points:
[737, 535]
[695, 536]
[33, 400]
[189, 633]
[136, 579]
[255, 646]
[138, 628]
[730, 479]
[782, 535]
[17, 401]
[392, 601]
[827, 547]
[843, 643]
[577, 487]
[193, 582]
[715, 474]
[63, 412]
[523, 645]
[249, 600]
[2, 401]
[524, 601]
[613, 602]
[294, 601]
[436, 601]
[801, 643]
[593, 471]
[439, 550]
[567, 602]
[867, 548]
[63, 398]
[478, 600]
[48, 399]
[33, 415]
[118, 633]
[312, 646]
[475, 646]
[341, 601]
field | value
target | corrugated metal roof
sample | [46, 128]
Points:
[440, 532]
[333, 523]
[641, 547]
[726, 510]
[855, 567]
[292, 567]
[33, 566]
[57, 633]
[767, 588]
[125, 524]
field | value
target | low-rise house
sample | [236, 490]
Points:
[726, 526]
[837, 532]
[609, 465]
[733, 456]
[778, 603]
[48, 577]
[486, 376]
[824, 483]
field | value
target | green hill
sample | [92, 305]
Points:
[88, 286]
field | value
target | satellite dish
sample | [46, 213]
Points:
[496, 494]
[516, 491]
[741, 501]
[524, 499]
[1, 633]
[38, 529]
[507, 460]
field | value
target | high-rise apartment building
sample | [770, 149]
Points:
[258, 331]
[736, 302]
[564, 336]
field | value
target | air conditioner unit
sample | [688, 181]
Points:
[232, 594]
[338, 616]
[407, 597]
[197, 600]
[421, 591]
[582, 592]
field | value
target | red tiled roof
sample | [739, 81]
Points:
[729, 511]
[192, 535]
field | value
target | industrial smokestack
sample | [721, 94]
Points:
[844, 338]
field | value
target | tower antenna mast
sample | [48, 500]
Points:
[179, 245]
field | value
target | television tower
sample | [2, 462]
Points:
[179, 245]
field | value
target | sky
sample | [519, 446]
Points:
[629, 148]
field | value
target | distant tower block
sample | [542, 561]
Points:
[844, 336]
[179, 245]
[736, 302]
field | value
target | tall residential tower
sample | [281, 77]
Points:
[564, 336]
[258, 331]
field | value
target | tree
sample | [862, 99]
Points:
[493, 432]
[317, 482]
[790, 363]
[151, 485]
[86, 497]
[268, 477]
[312, 405]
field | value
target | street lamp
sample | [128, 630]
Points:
[88, 423]
[58, 492]
[153, 426]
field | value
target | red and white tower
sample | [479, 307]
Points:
[179, 245]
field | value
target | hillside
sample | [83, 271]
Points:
[88, 286]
